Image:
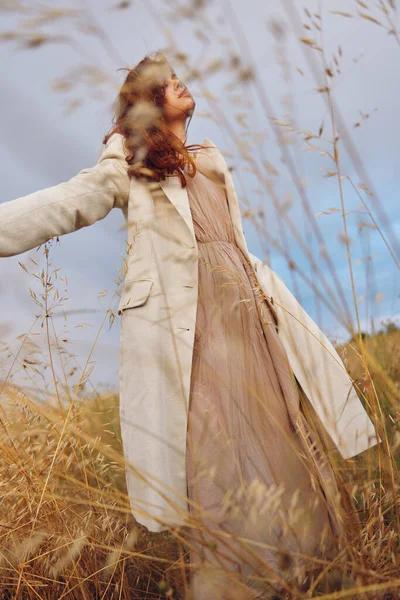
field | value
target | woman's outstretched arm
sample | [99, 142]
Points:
[87, 197]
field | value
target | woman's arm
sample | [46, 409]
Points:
[87, 197]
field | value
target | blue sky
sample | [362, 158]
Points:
[41, 146]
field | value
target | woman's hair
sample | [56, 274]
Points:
[153, 150]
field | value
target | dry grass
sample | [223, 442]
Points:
[66, 525]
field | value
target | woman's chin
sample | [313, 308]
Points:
[191, 108]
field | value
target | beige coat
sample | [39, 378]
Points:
[158, 311]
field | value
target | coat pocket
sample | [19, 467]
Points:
[135, 293]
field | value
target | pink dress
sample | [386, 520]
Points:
[249, 468]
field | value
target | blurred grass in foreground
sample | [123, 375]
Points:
[66, 526]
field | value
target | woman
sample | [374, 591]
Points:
[211, 418]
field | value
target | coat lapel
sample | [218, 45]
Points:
[179, 198]
[212, 163]
[218, 168]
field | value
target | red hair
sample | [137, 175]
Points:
[154, 151]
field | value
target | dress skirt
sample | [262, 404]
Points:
[254, 467]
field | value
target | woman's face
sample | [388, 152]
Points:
[178, 101]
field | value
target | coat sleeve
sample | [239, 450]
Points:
[87, 197]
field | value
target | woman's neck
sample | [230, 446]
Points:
[178, 129]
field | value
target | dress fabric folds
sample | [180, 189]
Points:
[254, 467]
